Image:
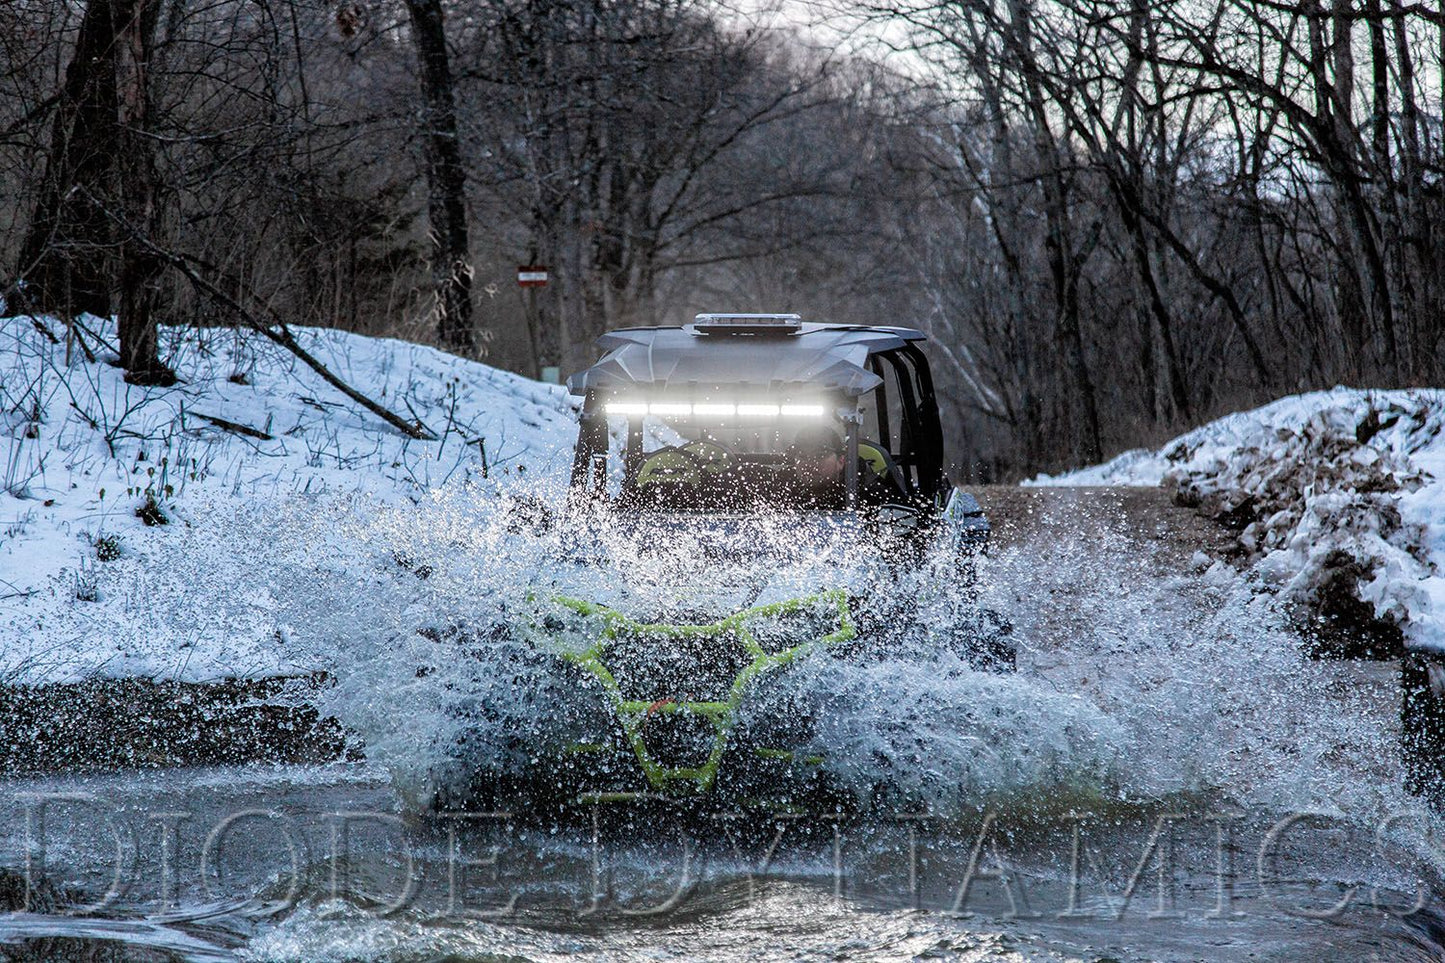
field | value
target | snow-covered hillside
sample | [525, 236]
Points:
[1328, 486]
[90, 584]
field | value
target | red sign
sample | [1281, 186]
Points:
[532, 275]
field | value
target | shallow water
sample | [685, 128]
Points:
[257, 868]
[1166, 778]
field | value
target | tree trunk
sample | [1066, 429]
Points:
[1163, 322]
[1398, 338]
[140, 271]
[446, 180]
[62, 267]
[1065, 262]
[1422, 234]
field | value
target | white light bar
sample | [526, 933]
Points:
[715, 409]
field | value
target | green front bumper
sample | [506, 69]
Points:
[632, 714]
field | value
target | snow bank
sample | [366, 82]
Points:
[1328, 488]
[88, 587]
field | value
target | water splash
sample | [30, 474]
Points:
[423, 620]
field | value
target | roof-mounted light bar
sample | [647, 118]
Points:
[676, 409]
[747, 323]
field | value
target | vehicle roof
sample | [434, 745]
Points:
[829, 356]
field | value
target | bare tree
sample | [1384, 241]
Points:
[446, 179]
[101, 158]
[622, 121]
[62, 264]
[140, 271]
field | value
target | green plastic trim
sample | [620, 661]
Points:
[633, 713]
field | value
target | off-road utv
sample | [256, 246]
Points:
[746, 443]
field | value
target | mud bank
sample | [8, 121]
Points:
[106, 724]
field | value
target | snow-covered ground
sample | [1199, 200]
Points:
[88, 588]
[1323, 483]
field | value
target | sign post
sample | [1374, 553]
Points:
[531, 277]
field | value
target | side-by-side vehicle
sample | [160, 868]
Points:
[743, 433]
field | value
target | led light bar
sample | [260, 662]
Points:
[715, 409]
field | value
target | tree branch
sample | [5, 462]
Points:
[277, 330]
